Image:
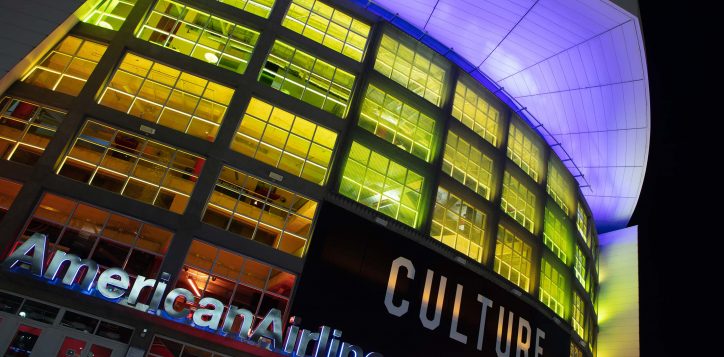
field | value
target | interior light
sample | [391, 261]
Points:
[22, 314]
[105, 25]
[211, 58]
[194, 287]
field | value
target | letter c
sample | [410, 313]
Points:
[392, 282]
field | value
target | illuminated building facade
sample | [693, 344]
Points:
[311, 158]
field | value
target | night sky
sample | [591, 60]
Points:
[674, 234]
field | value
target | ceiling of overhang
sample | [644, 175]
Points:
[579, 68]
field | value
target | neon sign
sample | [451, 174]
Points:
[114, 284]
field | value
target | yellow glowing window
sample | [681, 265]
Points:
[582, 222]
[67, 67]
[472, 109]
[236, 280]
[326, 25]
[519, 202]
[261, 211]
[525, 150]
[468, 165]
[397, 122]
[286, 141]
[132, 166]
[459, 225]
[560, 185]
[576, 351]
[26, 129]
[553, 288]
[513, 258]
[8, 191]
[307, 78]
[197, 34]
[257, 7]
[382, 184]
[557, 235]
[110, 14]
[413, 65]
[164, 95]
[580, 267]
[578, 317]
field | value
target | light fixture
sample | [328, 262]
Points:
[105, 25]
[194, 287]
[211, 58]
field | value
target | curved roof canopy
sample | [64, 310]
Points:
[576, 66]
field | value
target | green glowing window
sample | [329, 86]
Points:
[257, 7]
[281, 139]
[560, 185]
[473, 110]
[26, 129]
[133, 166]
[553, 288]
[167, 96]
[556, 234]
[582, 222]
[576, 351]
[579, 309]
[580, 266]
[397, 122]
[67, 67]
[110, 14]
[518, 201]
[261, 211]
[526, 150]
[458, 224]
[307, 78]
[413, 65]
[326, 25]
[513, 258]
[197, 34]
[382, 184]
[468, 165]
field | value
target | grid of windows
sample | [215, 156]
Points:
[260, 211]
[458, 224]
[525, 150]
[580, 267]
[413, 65]
[473, 110]
[235, 280]
[582, 222]
[67, 67]
[560, 185]
[164, 95]
[518, 201]
[286, 141]
[133, 166]
[26, 129]
[166, 347]
[257, 7]
[468, 165]
[577, 320]
[93, 233]
[8, 191]
[553, 288]
[382, 184]
[110, 14]
[198, 34]
[326, 25]
[305, 77]
[557, 235]
[513, 258]
[397, 122]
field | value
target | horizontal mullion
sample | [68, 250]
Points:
[15, 171]
[319, 50]
[298, 107]
[40, 95]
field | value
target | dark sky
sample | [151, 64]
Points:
[675, 238]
